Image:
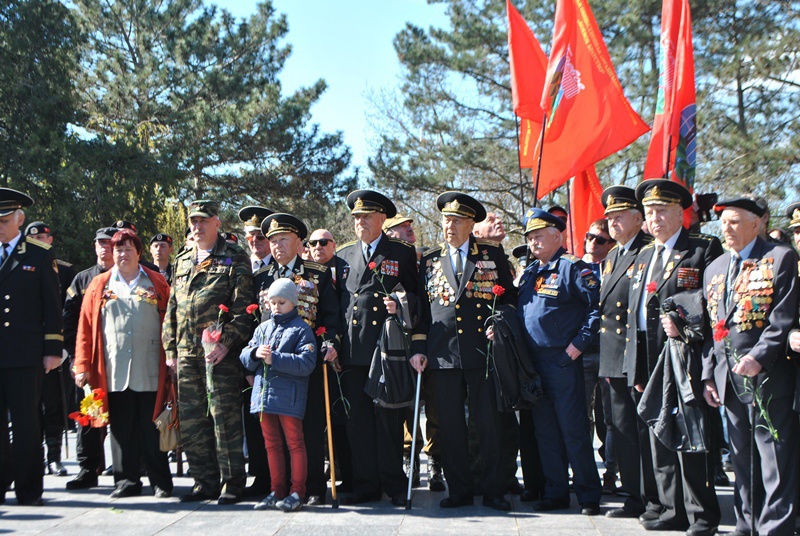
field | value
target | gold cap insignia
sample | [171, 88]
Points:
[655, 192]
[253, 221]
[359, 203]
[273, 225]
[610, 200]
[796, 214]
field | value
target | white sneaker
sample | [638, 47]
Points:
[269, 502]
[290, 503]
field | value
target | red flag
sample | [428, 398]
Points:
[585, 206]
[528, 66]
[674, 130]
[588, 116]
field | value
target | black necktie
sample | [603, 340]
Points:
[658, 269]
[459, 267]
[282, 271]
[733, 274]
[4, 254]
[367, 253]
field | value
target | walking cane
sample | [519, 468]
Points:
[752, 464]
[414, 438]
[60, 373]
[334, 499]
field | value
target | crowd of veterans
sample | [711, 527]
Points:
[677, 353]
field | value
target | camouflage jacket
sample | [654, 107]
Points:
[198, 291]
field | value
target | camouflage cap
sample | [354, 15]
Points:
[205, 208]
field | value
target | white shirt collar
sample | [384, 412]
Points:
[290, 264]
[670, 243]
[462, 248]
[116, 276]
[373, 246]
[746, 251]
[13, 242]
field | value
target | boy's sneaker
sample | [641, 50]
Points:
[290, 503]
[270, 501]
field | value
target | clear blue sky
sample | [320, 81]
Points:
[348, 43]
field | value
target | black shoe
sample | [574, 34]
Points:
[399, 500]
[35, 501]
[721, 479]
[86, 479]
[622, 512]
[197, 496]
[412, 473]
[160, 493]
[127, 489]
[55, 468]
[362, 497]
[454, 501]
[109, 471]
[610, 484]
[590, 509]
[497, 503]
[530, 496]
[228, 498]
[701, 530]
[661, 524]
[649, 515]
[436, 480]
[548, 505]
[315, 500]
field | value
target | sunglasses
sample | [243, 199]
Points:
[322, 242]
[599, 239]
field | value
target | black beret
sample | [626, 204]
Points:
[161, 237]
[745, 203]
[37, 227]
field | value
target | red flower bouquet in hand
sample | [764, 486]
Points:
[92, 408]
[210, 338]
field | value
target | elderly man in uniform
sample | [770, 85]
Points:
[89, 443]
[752, 291]
[252, 216]
[558, 296]
[56, 387]
[674, 263]
[318, 306]
[793, 213]
[456, 284]
[32, 339]
[375, 265]
[161, 249]
[625, 216]
[400, 227]
[207, 276]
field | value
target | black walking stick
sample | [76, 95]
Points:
[414, 438]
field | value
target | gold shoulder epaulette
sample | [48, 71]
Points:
[401, 241]
[315, 266]
[650, 244]
[346, 244]
[702, 235]
[570, 257]
[63, 263]
[39, 243]
[487, 243]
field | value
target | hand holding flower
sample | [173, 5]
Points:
[264, 352]
[391, 305]
[747, 366]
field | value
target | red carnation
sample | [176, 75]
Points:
[651, 287]
[320, 331]
[720, 331]
[98, 394]
[372, 265]
[252, 308]
[223, 307]
[497, 290]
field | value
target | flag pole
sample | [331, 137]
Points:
[519, 166]
[569, 220]
[539, 162]
[669, 155]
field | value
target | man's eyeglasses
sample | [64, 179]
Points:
[322, 242]
[259, 237]
[601, 241]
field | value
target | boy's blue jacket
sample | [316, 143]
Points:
[294, 355]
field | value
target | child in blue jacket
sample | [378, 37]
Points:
[282, 353]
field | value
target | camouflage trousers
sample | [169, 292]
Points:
[212, 433]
